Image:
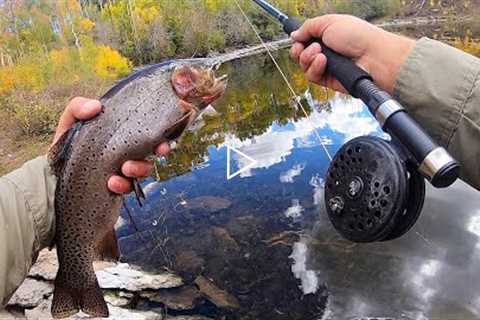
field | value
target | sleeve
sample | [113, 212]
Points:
[26, 221]
[439, 85]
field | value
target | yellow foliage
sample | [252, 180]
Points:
[110, 64]
[146, 15]
[34, 118]
[86, 25]
[6, 80]
[73, 5]
[468, 45]
[28, 76]
[59, 57]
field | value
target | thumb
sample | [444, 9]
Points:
[78, 109]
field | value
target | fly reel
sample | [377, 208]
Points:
[373, 192]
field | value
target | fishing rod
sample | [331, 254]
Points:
[434, 161]
[393, 188]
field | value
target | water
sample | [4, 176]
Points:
[264, 236]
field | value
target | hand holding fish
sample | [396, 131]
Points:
[80, 108]
[379, 52]
[135, 119]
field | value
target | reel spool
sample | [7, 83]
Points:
[372, 191]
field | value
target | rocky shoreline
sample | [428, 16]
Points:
[130, 293]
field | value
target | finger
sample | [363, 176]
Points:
[307, 56]
[78, 109]
[137, 169]
[317, 68]
[296, 50]
[334, 84]
[119, 185]
[312, 28]
[163, 149]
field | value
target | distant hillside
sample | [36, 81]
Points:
[434, 8]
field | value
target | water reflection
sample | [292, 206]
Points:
[430, 272]
[264, 237]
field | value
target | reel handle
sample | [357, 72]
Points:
[434, 162]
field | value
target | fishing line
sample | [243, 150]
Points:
[285, 79]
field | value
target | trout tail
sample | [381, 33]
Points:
[67, 302]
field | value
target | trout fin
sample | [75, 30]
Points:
[67, 302]
[64, 303]
[139, 194]
[61, 150]
[107, 249]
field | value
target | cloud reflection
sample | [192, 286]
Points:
[349, 118]
[287, 176]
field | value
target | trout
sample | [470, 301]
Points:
[150, 106]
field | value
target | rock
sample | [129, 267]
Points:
[31, 293]
[100, 265]
[46, 266]
[115, 299]
[209, 204]
[224, 239]
[287, 238]
[126, 277]
[116, 313]
[183, 298]
[189, 318]
[122, 314]
[190, 264]
[217, 296]
[5, 315]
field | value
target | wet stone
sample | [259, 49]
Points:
[208, 204]
[116, 313]
[46, 265]
[217, 296]
[183, 298]
[5, 315]
[189, 318]
[126, 277]
[31, 293]
[116, 299]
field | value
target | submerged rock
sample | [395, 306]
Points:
[31, 293]
[189, 318]
[210, 204]
[125, 277]
[184, 298]
[217, 296]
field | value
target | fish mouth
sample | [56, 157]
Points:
[198, 85]
[217, 90]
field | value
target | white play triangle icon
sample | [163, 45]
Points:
[252, 162]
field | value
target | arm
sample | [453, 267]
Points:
[26, 221]
[27, 217]
[441, 87]
[436, 83]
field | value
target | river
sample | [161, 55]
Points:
[263, 236]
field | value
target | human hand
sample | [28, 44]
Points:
[83, 109]
[377, 51]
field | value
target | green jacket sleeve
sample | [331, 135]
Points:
[26, 221]
[440, 87]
